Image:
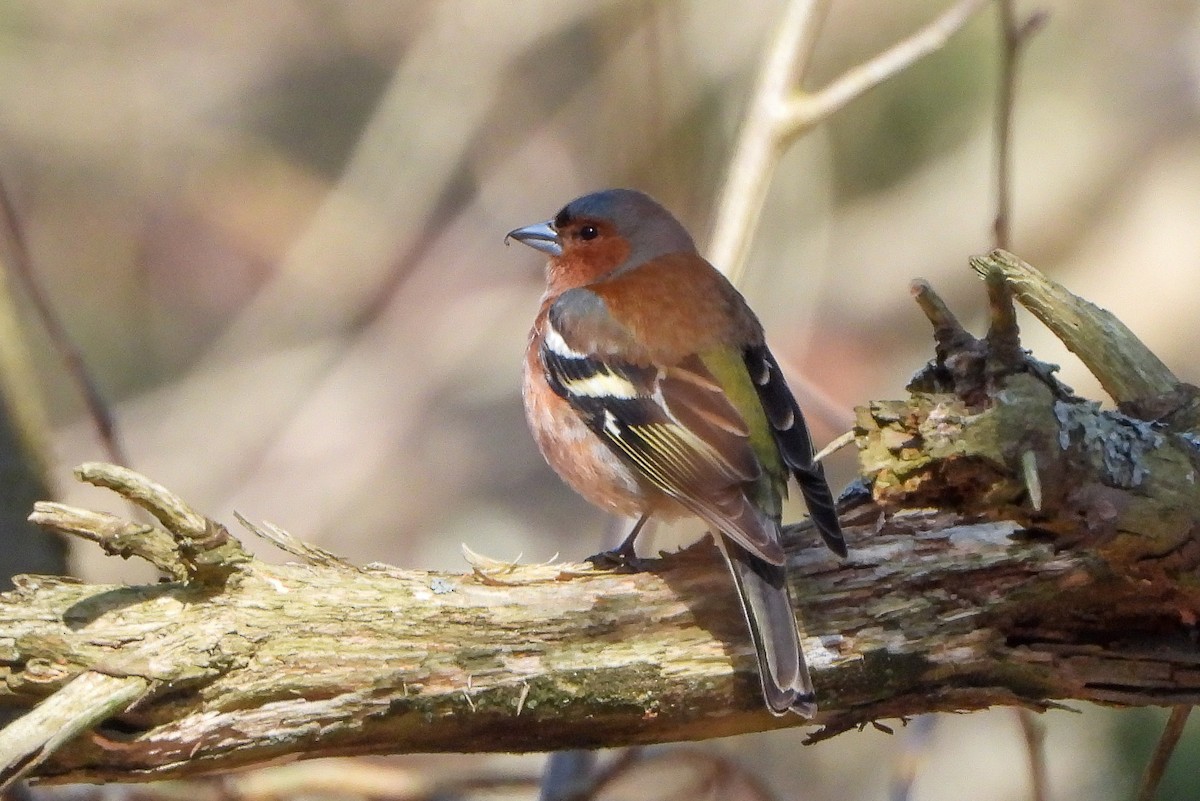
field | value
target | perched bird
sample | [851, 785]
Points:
[650, 390]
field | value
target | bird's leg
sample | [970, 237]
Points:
[625, 550]
[623, 556]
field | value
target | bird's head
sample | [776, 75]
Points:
[601, 233]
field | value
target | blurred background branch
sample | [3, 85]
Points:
[20, 266]
[26, 465]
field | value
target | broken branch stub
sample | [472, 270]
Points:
[1130, 372]
[206, 551]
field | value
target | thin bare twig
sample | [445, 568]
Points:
[1162, 752]
[72, 357]
[835, 445]
[805, 110]
[1013, 35]
[778, 114]
[758, 145]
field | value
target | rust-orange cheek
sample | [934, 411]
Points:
[583, 263]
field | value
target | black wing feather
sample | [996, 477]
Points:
[795, 444]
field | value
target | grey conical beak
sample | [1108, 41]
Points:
[540, 236]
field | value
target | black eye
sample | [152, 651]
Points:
[588, 232]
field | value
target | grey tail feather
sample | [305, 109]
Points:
[767, 604]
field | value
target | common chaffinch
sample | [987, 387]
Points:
[651, 392]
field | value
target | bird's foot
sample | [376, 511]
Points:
[623, 558]
[620, 560]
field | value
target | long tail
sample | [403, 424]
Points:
[763, 590]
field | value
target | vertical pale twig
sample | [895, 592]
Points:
[780, 112]
[760, 142]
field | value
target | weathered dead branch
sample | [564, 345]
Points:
[1010, 544]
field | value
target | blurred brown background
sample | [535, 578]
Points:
[276, 231]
